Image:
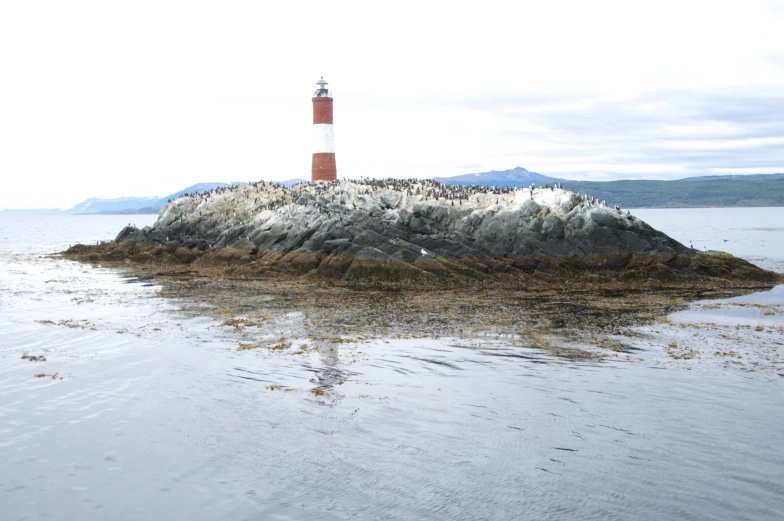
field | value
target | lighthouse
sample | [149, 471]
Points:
[324, 167]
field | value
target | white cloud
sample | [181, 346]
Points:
[727, 144]
[109, 99]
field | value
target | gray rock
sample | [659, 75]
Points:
[396, 219]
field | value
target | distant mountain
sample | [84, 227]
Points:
[133, 205]
[517, 176]
[94, 205]
[123, 205]
[291, 182]
[195, 189]
[137, 205]
[692, 192]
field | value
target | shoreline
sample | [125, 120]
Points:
[595, 318]
[612, 272]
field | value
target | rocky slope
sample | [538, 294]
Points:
[400, 220]
[393, 230]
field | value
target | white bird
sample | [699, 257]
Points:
[424, 252]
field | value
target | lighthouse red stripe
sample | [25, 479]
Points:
[324, 167]
[322, 110]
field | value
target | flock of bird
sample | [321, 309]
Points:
[271, 196]
[425, 189]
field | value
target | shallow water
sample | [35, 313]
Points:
[153, 412]
[755, 234]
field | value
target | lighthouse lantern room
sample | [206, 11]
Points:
[322, 89]
[324, 167]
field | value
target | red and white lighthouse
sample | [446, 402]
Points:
[324, 167]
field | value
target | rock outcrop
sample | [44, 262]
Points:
[406, 230]
[397, 221]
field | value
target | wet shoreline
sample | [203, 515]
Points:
[296, 316]
[595, 272]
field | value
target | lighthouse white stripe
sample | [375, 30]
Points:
[323, 139]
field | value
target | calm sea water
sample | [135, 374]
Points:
[756, 234]
[149, 413]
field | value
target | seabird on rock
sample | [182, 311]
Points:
[424, 252]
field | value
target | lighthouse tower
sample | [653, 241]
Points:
[324, 168]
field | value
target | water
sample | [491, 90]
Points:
[153, 413]
[756, 234]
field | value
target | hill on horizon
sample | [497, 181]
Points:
[692, 192]
[753, 190]
[517, 176]
[131, 205]
[122, 205]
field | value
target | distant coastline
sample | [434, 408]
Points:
[741, 191]
[694, 192]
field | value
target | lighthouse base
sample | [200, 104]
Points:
[324, 167]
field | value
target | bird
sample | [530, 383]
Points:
[424, 252]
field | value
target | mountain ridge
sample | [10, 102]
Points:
[517, 177]
[750, 190]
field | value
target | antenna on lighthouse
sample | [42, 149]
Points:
[324, 167]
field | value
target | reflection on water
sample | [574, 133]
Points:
[184, 407]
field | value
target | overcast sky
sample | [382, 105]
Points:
[111, 99]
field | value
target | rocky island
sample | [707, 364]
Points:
[419, 233]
